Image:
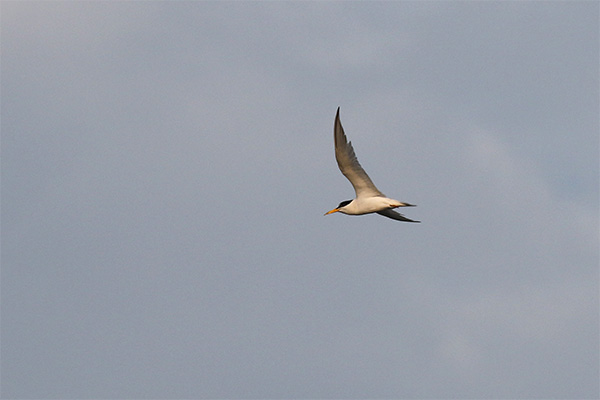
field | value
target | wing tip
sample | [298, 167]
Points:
[389, 213]
[338, 131]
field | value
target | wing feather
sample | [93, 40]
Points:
[349, 165]
[388, 212]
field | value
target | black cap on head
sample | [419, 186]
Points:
[344, 203]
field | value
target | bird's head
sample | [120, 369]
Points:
[340, 207]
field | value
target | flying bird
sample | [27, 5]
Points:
[368, 198]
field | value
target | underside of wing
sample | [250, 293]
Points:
[394, 215]
[349, 165]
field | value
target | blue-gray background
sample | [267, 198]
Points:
[166, 167]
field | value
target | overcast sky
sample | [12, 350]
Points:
[166, 167]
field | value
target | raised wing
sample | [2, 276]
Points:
[349, 165]
[388, 212]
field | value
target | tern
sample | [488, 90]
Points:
[368, 198]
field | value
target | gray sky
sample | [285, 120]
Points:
[166, 167]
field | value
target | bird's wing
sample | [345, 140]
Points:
[388, 212]
[349, 165]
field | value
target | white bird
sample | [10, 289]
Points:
[368, 198]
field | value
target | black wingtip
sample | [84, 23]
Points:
[337, 118]
[410, 220]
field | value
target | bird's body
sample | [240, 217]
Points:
[368, 198]
[367, 205]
